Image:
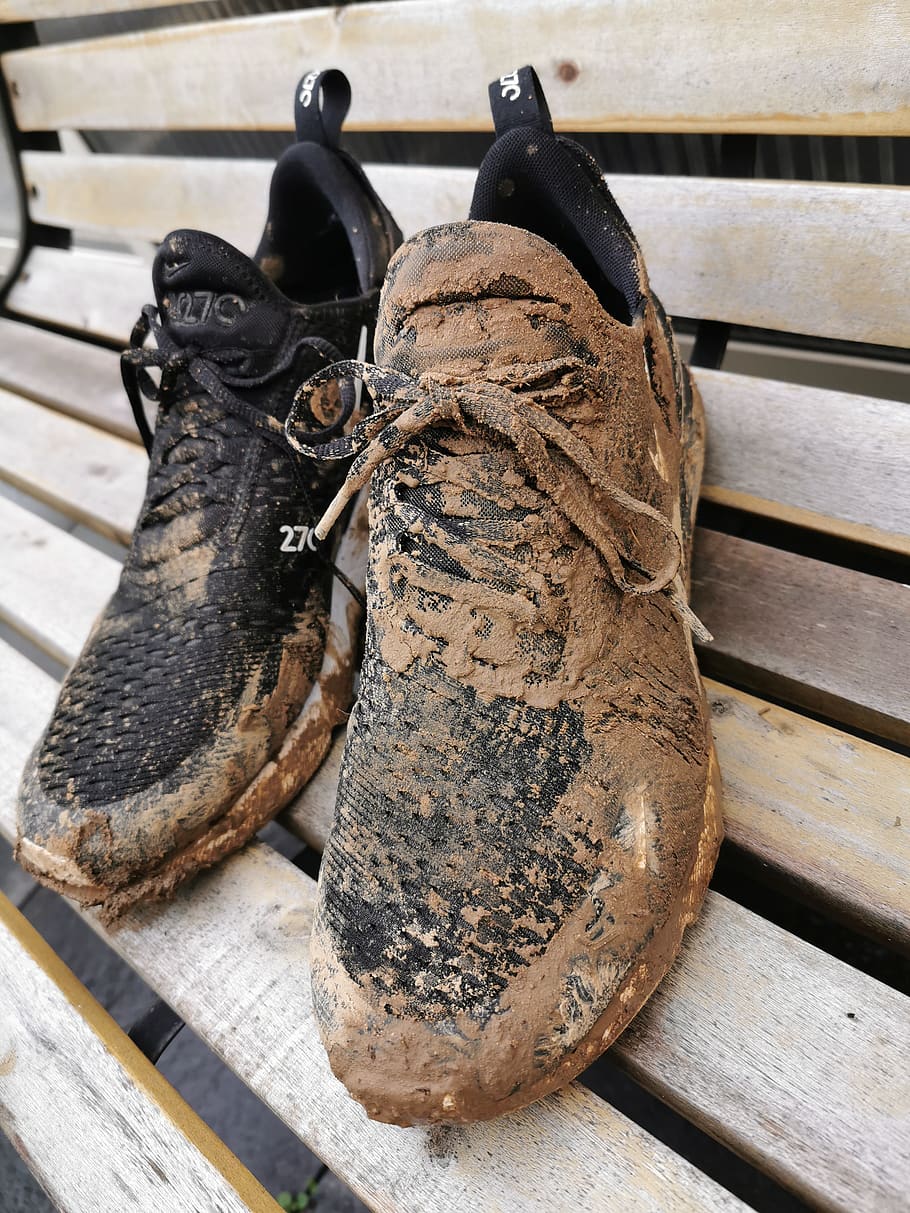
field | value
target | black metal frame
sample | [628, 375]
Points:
[13, 37]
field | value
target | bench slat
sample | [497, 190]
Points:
[837, 68]
[44, 568]
[83, 290]
[830, 461]
[66, 374]
[41, 10]
[710, 244]
[94, 477]
[100, 1129]
[854, 486]
[816, 805]
[816, 635]
[819, 807]
[229, 954]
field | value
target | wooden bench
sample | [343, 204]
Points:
[792, 1058]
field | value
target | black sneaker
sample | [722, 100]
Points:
[206, 693]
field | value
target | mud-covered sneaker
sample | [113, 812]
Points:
[528, 808]
[206, 693]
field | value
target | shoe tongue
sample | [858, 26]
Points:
[209, 295]
[466, 297]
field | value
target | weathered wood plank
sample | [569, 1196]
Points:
[66, 374]
[43, 10]
[837, 68]
[823, 809]
[822, 637]
[99, 1127]
[708, 243]
[818, 636]
[822, 1017]
[93, 477]
[51, 585]
[83, 290]
[816, 805]
[230, 955]
[827, 460]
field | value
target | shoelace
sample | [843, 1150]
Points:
[560, 464]
[216, 371]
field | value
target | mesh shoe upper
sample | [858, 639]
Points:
[522, 797]
[205, 655]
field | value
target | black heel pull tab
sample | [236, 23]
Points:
[321, 104]
[517, 99]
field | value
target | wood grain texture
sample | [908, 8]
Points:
[823, 1018]
[708, 243]
[44, 10]
[66, 374]
[97, 1125]
[83, 290]
[821, 808]
[51, 585]
[835, 461]
[833, 68]
[93, 477]
[230, 955]
[819, 636]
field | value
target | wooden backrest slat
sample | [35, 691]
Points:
[854, 486]
[829, 461]
[827, 260]
[43, 10]
[836, 68]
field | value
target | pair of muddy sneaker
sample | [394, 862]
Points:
[528, 809]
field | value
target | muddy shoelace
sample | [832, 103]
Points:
[216, 371]
[560, 464]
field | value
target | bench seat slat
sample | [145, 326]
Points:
[839, 68]
[95, 478]
[100, 1129]
[712, 245]
[42, 10]
[229, 954]
[66, 374]
[44, 568]
[818, 636]
[819, 807]
[83, 290]
[759, 432]
[812, 634]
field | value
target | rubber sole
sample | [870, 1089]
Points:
[302, 751]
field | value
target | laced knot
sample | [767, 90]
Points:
[216, 370]
[561, 465]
